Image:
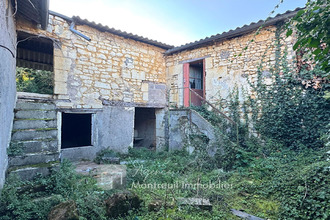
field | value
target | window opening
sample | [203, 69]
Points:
[76, 130]
[34, 64]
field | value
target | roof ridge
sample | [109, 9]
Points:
[112, 30]
[237, 31]
[125, 34]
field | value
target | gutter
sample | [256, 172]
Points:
[77, 32]
[71, 25]
[44, 14]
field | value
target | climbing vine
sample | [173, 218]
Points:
[287, 110]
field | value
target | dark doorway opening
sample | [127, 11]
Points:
[76, 130]
[145, 128]
[194, 78]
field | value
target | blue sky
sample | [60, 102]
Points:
[174, 22]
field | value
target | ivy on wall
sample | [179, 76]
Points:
[288, 110]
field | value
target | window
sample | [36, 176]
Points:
[34, 64]
[76, 130]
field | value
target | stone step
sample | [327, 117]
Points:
[34, 124]
[34, 105]
[37, 146]
[30, 159]
[35, 114]
[29, 135]
[28, 173]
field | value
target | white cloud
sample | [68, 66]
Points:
[123, 16]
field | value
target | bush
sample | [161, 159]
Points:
[34, 199]
[35, 81]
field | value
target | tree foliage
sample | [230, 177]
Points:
[312, 26]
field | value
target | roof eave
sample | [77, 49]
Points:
[233, 33]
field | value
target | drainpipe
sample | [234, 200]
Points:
[77, 32]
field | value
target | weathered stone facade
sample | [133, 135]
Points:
[108, 67]
[107, 77]
[224, 68]
[7, 81]
[123, 85]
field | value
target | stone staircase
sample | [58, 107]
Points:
[184, 122]
[34, 138]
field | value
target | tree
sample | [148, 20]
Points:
[312, 26]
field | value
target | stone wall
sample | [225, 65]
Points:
[224, 68]
[107, 68]
[108, 76]
[7, 81]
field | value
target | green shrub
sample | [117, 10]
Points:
[35, 81]
[34, 199]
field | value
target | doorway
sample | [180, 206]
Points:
[76, 130]
[145, 128]
[194, 83]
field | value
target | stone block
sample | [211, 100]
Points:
[28, 173]
[102, 85]
[34, 124]
[20, 105]
[62, 63]
[27, 135]
[30, 159]
[29, 147]
[144, 87]
[145, 96]
[60, 88]
[60, 75]
[35, 114]
[64, 105]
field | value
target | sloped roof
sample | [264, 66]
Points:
[124, 34]
[199, 43]
[233, 33]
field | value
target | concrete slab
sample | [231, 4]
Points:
[108, 176]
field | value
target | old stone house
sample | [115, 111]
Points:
[113, 89]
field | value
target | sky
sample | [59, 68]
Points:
[174, 22]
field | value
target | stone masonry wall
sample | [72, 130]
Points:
[109, 68]
[7, 81]
[224, 71]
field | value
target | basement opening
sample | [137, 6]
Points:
[145, 128]
[34, 64]
[76, 130]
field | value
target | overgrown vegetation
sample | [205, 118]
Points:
[284, 185]
[311, 25]
[278, 168]
[34, 199]
[35, 81]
